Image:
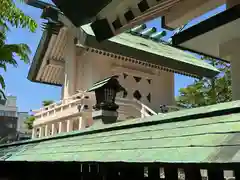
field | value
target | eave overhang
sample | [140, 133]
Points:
[216, 37]
[139, 48]
[146, 50]
[47, 64]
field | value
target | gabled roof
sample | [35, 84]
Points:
[127, 45]
[148, 50]
[206, 134]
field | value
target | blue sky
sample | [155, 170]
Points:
[29, 94]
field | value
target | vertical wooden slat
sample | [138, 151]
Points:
[215, 174]
[192, 173]
[171, 173]
[153, 172]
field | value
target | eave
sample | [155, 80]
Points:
[44, 66]
[140, 49]
[217, 33]
[146, 50]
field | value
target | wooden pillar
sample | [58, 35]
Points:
[70, 66]
[235, 75]
[235, 63]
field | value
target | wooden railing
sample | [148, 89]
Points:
[62, 105]
[61, 108]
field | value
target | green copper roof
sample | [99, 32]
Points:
[207, 134]
[99, 84]
[148, 50]
[128, 45]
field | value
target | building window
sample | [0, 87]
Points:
[8, 113]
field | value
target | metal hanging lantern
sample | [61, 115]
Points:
[105, 92]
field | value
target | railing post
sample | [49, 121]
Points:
[81, 123]
[33, 133]
[46, 130]
[60, 126]
[41, 131]
[142, 111]
[53, 129]
[69, 125]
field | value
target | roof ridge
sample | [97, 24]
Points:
[156, 39]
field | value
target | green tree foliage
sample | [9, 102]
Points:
[208, 91]
[11, 16]
[47, 102]
[29, 122]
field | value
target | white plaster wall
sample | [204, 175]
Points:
[160, 86]
[92, 67]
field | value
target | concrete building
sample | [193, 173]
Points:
[8, 119]
[21, 126]
[74, 60]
